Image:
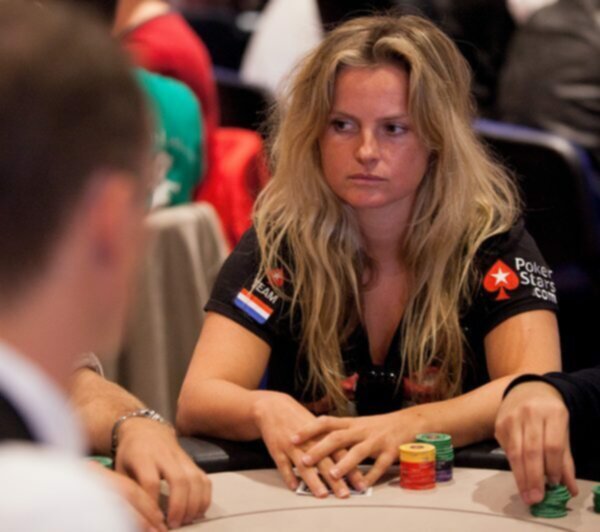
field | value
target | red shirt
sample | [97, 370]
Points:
[167, 45]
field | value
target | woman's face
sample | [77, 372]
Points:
[370, 154]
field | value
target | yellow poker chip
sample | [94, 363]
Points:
[416, 452]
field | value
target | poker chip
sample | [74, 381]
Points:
[444, 454]
[417, 466]
[554, 503]
[103, 460]
[596, 492]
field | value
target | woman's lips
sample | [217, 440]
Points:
[366, 178]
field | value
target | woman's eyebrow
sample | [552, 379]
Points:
[339, 112]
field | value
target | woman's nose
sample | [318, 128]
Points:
[368, 148]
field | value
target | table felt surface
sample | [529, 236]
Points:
[476, 499]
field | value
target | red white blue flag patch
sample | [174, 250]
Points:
[253, 306]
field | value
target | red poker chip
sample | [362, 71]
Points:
[417, 466]
[417, 475]
[412, 486]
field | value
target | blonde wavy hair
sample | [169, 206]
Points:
[464, 199]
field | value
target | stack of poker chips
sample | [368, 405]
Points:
[444, 454]
[417, 466]
[554, 503]
[596, 492]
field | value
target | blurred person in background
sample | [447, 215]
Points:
[160, 40]
[551, 77]
[74, 176]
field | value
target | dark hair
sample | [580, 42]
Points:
[69, 109]
[106, 9]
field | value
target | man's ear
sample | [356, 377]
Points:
[110, 206]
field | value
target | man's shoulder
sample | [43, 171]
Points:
[63, 490]
[12, 424]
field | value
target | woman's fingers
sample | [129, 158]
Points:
[337, 485]
[320, 425]
[284, 465]
[381, 465]
[351, 460]
[327, 446]
[354, 476]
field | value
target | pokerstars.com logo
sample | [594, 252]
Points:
[501, 278]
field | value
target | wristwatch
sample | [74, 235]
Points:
[141, 412]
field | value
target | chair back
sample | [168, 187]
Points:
[560, 190]
[241, 104]
[561, 193]
[185, 253]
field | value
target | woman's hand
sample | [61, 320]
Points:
[533, 428]
[279, 417]
[376, 437]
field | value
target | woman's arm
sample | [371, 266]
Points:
[219, 397]
[525, 343]
[219, 393]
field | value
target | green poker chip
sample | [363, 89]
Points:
[554, 504]
[103, 461]
[444, 453]
[596, 492]
[442, 442]
[435, 438]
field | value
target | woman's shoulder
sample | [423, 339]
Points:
[248, 241]
[502, 243]
[515, 248]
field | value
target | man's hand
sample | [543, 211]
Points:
[146, 510]
[148, 451]
[533, 428]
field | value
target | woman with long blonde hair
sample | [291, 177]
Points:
[387, 281]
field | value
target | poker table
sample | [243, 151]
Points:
[476, 499]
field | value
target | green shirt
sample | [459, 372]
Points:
[178, 138]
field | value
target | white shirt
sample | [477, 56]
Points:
[50, 487]
[521, 10]
[41, 404]
[285, 32]
[45, 490]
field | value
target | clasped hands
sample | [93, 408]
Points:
[326, 451]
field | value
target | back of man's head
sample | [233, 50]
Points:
[70, 110]
[107, 9]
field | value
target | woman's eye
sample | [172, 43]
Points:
[395, 129]
[341, 125]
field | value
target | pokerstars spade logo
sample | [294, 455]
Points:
[500, 278]
[276, 277]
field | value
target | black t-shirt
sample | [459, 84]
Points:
[514, 279]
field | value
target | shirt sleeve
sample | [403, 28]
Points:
[238, 295]
[514, 279]
[581, 393]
